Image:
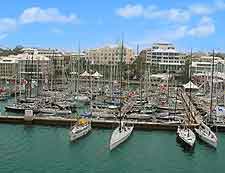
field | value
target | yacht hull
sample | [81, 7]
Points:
[187, 136]
[206, 139]
[76, 136]
[119, 136]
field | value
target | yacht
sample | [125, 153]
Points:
[206, 135]
[81, 128]
[186, 135]
[120, 134]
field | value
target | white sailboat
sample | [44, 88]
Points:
[204, 132]
[186, 135]
[123, 131]
[80, 129]
[206, 135]
[120, 134]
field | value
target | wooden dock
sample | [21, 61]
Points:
[96, 123]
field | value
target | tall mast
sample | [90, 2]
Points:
[121, 60]
[38, 75]
[78, 68]
[19, 77]
[211, 94]
[190, 79]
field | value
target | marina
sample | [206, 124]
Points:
[83, 102]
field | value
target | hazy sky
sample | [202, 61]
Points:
[62, 23]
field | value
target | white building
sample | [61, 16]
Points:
[8, 67]
[203, 64]
[47, 52]
[165, 57]
[109, 55]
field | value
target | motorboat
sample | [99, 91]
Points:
[80, 129]
[206, 135]
[120, 134]
[186, 135]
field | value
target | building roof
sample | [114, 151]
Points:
[30, 57]
[7, 60]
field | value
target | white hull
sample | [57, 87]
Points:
[187, 136]
[55, 112]
[82, 98]
[206, 135]
[119, 136]
[74, 136]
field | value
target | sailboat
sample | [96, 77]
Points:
[80, 129]
[204, 132]
[120, 134]
[123, 131]
[186, 135]
[206, 135]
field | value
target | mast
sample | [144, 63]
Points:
[52, 67]
[38, 76]
[121, 60]
[31, 76]
[78, 69]
[211, 92]
[20, 77]
[190, 80]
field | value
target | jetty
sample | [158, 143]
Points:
[96, 123]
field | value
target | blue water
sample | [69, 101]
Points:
[40, 149]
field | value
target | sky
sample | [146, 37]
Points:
[189, 24]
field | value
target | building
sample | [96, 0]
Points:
[109, 55]
[32, 66]
[58, 60]
[47, 52]
[203, 64]
[165, 57]
[8, 67]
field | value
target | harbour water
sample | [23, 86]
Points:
[36, 149]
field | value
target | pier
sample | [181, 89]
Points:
[96, 123]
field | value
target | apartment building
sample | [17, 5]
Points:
[8, 68]
[203, 64]
[109, 55]
[165, 57]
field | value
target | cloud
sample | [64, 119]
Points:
[153, 12]
[171, 14]
[39, 15]
[130, 11]
[7, 25]
[201, 9]
[204, 28]
[206, 9]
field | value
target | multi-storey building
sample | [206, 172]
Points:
[49, 53]
[32, 66]
[8, 68]
[203, 64]
[165, 57]
[57, 59]
[109, 55]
